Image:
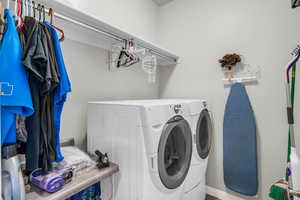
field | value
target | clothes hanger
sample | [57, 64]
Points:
[21, 8]
[44, 16]
[40, 11]
[33, 8]
[19, 15]
[29, 7]
[124, 56]
[25, 8]
[132, 54]
[16, 7]
[51, 15]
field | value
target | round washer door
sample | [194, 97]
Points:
[174, 152]
[203, 134]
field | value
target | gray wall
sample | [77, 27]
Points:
[264, 32]
[91, 80]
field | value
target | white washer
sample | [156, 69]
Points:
[201, 124]
[151, 140]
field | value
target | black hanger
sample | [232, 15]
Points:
[126, 58]
[295, 3]
[21, 8]
[43, 9]
[33, 8]
[39, 8]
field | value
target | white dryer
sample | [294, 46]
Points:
[151, 140]
[201, 124]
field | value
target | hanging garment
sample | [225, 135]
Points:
[13, 76]
[60, 94]
[39, 60]
[50, 142]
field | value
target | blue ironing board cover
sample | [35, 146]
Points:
[239, 143]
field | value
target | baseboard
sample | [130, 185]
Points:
[221, 194]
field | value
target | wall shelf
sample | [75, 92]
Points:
[107, 35]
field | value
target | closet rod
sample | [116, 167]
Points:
[111, 35]
[106, 33]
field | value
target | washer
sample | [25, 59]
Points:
[202, 128]
[150, 140]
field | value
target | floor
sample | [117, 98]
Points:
[208, 197]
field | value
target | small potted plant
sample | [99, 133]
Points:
[228, 61]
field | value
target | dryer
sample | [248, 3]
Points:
[150, 140]
[202, 128]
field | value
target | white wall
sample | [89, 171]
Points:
[88, 65]
[91, 81]
[264, 32]
[138, 17]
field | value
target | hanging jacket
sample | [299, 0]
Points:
[13, 80]
[60, 94]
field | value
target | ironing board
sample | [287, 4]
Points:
[239, 143]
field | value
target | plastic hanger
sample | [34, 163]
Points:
[131, 52]
[51, 14]
[29, 7]
[126, 56]
[19, 14]
[25, 8]
[21, 8]
[15, 9]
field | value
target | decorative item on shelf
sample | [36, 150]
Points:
[243, 73]
[228, 61]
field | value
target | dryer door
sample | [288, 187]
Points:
[203, 134]
[174, 152]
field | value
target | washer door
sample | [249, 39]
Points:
[174, 152]
[203, 134]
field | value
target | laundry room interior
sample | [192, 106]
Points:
[150, 99]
